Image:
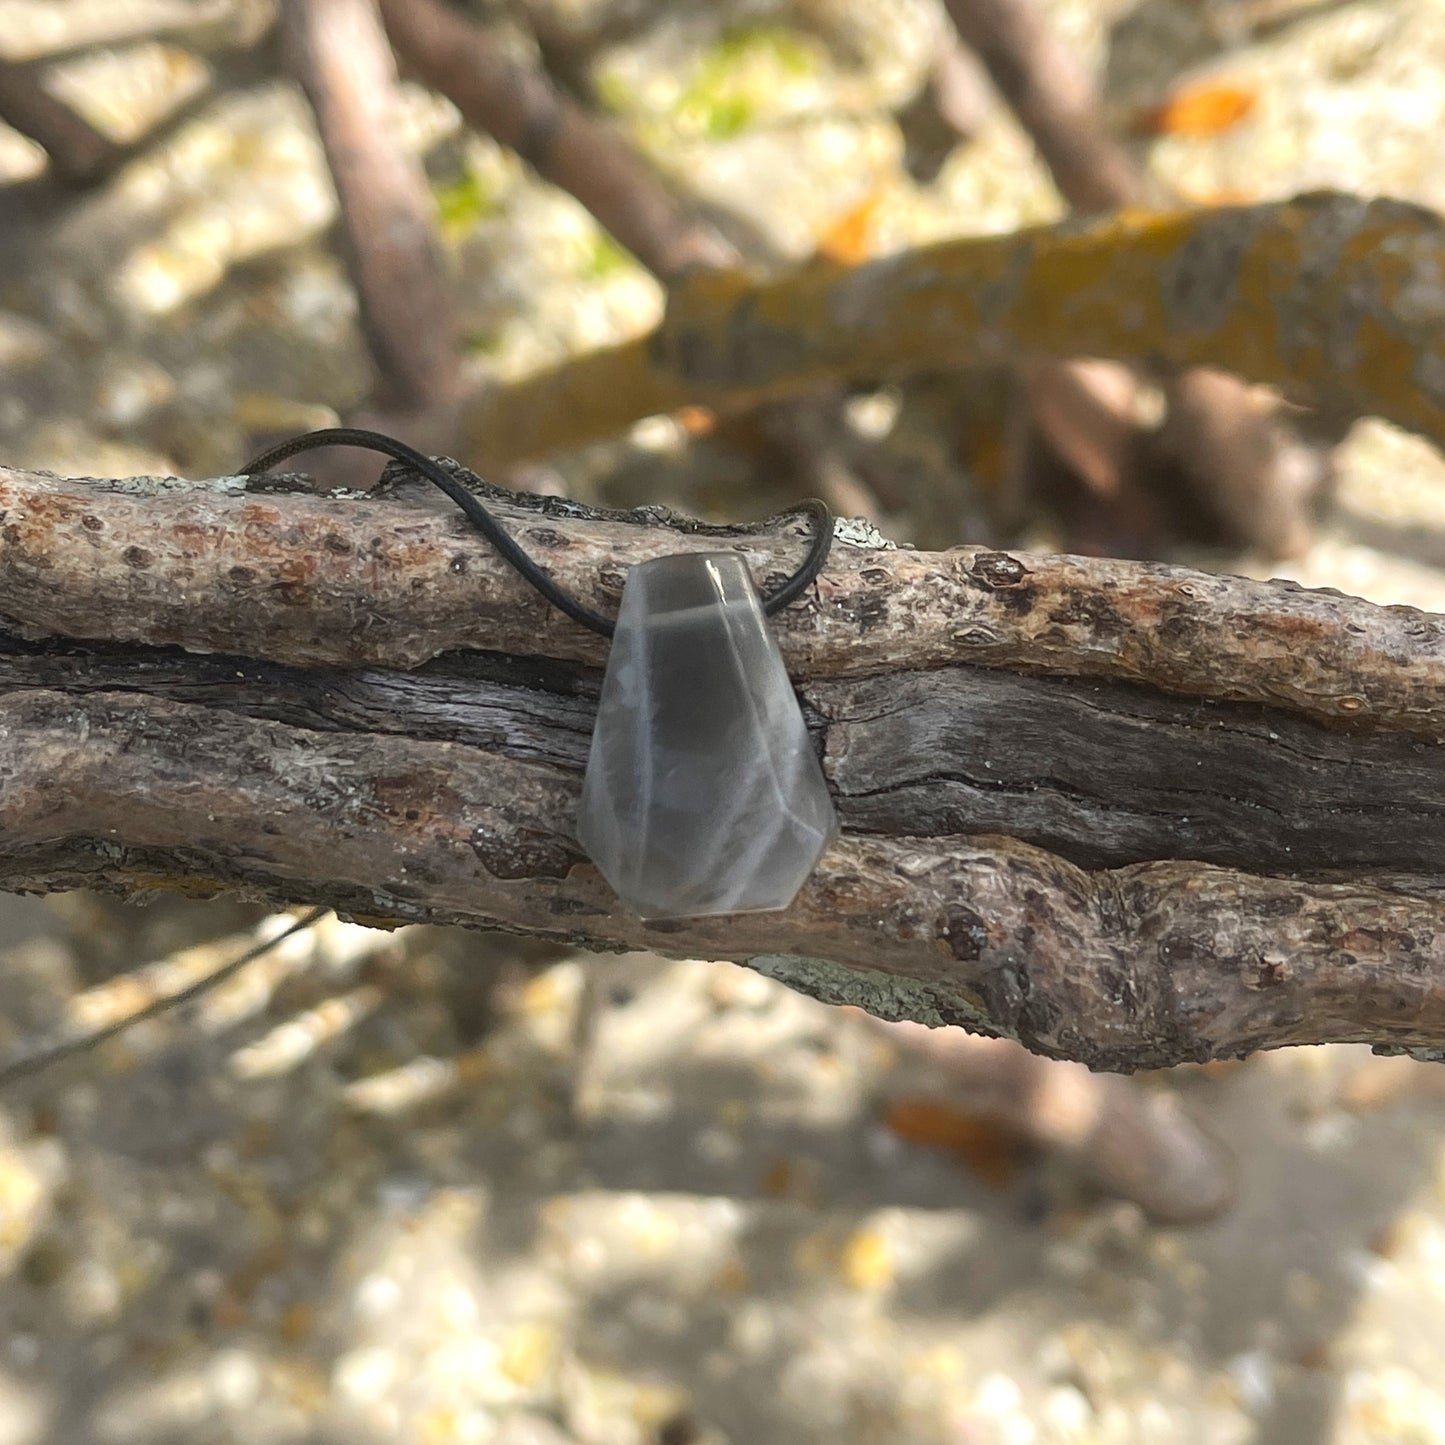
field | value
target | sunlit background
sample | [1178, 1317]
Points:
[428, 1187]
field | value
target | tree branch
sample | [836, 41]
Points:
[523, 110]
[1239, 455]
[348, 581]
[1325, 296]
[1178, 879]
[338, 52]
[1054, 100]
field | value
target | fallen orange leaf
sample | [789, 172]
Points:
[1205, 109]
[696, 421]
[989, 1151]
[848, 240]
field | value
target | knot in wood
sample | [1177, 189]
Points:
[997, 570]
[964, 931]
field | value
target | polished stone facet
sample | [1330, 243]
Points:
[703, 793]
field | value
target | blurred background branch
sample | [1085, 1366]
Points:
[1316, 295]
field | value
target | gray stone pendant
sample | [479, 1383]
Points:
[703, 794]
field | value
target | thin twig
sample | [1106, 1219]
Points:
[79, 154]
[39, 1059]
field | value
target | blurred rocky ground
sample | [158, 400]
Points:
[428, 1187]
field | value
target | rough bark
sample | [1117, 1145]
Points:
[1147, 965]
[1025, 854]
[337, 50]
[352, 581]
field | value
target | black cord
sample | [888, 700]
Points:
[347, 436]
[44, 1057]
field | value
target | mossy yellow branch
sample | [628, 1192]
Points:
[1326, 296]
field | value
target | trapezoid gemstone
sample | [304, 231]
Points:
[703, 793]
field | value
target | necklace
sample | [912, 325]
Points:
[703, 794]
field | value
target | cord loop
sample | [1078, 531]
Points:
[773, 602]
